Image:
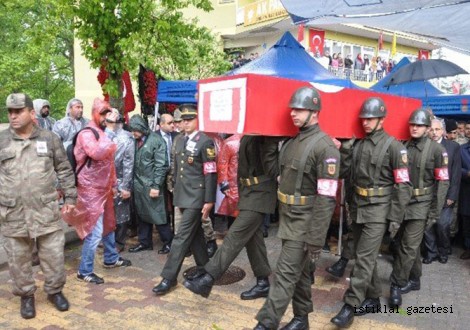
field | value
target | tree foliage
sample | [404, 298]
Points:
[36, 52]
[120, 34]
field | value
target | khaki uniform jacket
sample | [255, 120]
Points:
[195, 172]
[392, 175]
[309, 223]
[28, 172]
[258, 157]
[435, 176]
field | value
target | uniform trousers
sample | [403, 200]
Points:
[437, 238]
[365, 281]
[292, 282]
[245, 232]
[51, 254]
[407, 264]
[189, 236]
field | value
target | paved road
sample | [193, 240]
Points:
[125, 301]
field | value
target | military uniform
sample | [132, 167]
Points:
[382, 190]
[29, 209]
[195, 176]
[257, 172]
[429, 176]
[309, 166]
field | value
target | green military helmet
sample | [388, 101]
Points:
[306, 98]
[420, 116]
[373, 107]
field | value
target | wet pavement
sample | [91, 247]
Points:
[126, 301]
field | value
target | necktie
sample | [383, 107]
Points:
[168, 145]
[186, 139]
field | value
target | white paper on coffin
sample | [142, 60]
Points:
[221, 102]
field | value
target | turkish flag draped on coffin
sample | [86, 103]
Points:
[256, 104]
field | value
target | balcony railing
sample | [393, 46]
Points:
[356, 75]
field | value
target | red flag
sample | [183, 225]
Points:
[316, 40]
[300, 33]
[456, 87]
[423, 55]
[381, 40]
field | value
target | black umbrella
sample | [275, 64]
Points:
[424, 70]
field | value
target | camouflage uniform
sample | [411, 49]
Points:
[29, 208]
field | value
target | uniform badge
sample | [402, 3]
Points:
[190, 160]
[331, 166]
[210, 153]
[445, 158]
[404, 156]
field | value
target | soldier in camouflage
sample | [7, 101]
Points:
[31, 160]
[309, 169]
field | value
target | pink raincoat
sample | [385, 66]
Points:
[227, 167]
[95, 182]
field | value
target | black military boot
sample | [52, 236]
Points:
[27, 310]
[261, 326]
[297, 323]
[395, 296]
[260, 290]
[201, 285]
[414, 285]
[345, 317]
[337, 269]
[369, 305]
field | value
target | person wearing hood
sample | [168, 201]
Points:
[42, 109]
[124, 163]
[67, 127]
[150, 168]
[93, 218]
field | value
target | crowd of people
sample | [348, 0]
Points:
[104, 172]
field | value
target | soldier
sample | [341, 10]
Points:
[309, 167]
[195, 173]
[382, 189]
[31, 160]
[429, 176]
[257, 173]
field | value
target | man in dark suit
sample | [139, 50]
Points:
[437, 238]
[464, 207]
[195, 175]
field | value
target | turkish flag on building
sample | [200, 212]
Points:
[423, 55]
[316, 41]
[381, 40]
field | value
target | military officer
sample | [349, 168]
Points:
[382, 190]
[309, 168]
[429, 176]
[257, 173]
[195, 174]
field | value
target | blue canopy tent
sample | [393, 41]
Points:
[416, 89]
[179, 91]
[288, 59]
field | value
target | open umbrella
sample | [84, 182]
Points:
[424, 70]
